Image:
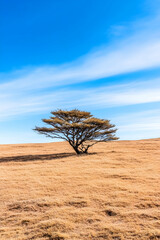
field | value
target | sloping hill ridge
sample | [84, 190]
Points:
[47, 192]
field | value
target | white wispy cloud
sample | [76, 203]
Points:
[137, 50]
[99, 97]
[128, 57]
[124, 94]
[138, 125]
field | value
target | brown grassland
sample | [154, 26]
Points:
[47, 192]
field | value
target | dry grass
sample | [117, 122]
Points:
[47, 192]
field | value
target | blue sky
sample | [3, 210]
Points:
[95, 55]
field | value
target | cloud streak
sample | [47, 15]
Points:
[101, 97]
[104, 63]
[139, 125]
[137, 51]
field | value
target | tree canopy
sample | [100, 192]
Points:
[79, 128]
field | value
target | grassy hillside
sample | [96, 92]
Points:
[47, 192]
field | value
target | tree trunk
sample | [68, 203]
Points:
[76, 150]
[80, 152]
[85, 151]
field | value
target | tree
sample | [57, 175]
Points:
[79, 128]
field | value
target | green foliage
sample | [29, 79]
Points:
[79, 128]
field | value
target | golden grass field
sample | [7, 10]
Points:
[47, 192]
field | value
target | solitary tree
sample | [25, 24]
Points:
[79, 128]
